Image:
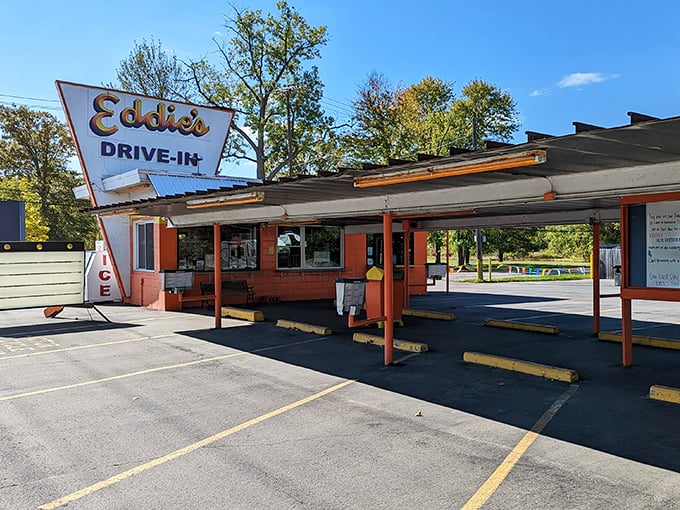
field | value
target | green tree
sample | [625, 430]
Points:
[152, 71]
[34, 152]
[263, 74]
[436, 240]
[396, 122]
[573, 241]
[486, 108]
[426, 112]
[518, 241]
[19, 188]
[464, 242]
[378, 133]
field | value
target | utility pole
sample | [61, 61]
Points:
[478, 232]
[289, 118]
[290, 123]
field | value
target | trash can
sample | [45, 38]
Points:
[350, 295]
[617, 276]
[374, 294]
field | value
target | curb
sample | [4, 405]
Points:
[662, 343]
[402, 345]
[525, 367]
[428, 315]
[523, 326]
[306, 328]
[239, 313]
[665, 393]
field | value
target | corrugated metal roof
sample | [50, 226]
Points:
[586, 173]
[169, 185]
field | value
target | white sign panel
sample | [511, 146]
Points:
[34, 275]
[663, 244]
[100, 282]
[116, 132]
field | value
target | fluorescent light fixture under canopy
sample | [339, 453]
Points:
[236, 199]
[504, 162]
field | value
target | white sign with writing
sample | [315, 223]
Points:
[116, 132]
[663, 244]
[100, 283]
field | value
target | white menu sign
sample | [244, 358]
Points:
[663, 244]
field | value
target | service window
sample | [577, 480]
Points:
[144, 248]
[238, 250]
[309, 247]
[375, 249]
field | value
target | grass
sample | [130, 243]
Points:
[546, 278]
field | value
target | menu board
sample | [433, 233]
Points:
[663, 244]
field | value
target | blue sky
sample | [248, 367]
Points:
[561, 61]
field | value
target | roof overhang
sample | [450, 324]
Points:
[579, 179]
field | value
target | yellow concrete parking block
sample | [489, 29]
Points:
[525, 367]
[665, 393]
[523, 326]
[306, 328]
[428, 314]
[662, 343]
[402, 345]
[240, 313]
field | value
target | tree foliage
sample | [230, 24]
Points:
[400, 122]
[487, 109]
[19, 188]
[263, 73]
[34, 152]
[152, 71]
[518, 241]
[263, 70]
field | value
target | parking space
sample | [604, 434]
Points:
[157, 410]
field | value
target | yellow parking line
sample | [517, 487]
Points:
[122, 376]
[187, 449]
[89, 346]
[496, 479]
[152, 370]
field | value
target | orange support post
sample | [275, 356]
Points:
[448, 254]
[626, 332]
[217, 247]
[596, 278]
[407, 244]
[388, 295]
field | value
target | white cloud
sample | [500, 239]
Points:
[580, 79]
[540, 92]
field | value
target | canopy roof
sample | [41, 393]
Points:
[581, 180]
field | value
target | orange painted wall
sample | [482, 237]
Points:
[268, 282]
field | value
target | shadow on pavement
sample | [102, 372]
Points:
[609, 412]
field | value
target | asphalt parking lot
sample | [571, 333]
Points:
[157, 410]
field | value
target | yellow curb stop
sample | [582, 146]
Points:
[662, 343]
[525, 367]
[537, 328]
[306, 328]
[402, 345]
[665, 393]
[428, 314]
[239, 313]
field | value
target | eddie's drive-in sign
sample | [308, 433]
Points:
[116, 132]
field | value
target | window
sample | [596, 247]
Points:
[309, 248]
[374, 247]
[143, 245]
[239, 248]
[196, 248]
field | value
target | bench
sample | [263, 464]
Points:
[234, 287]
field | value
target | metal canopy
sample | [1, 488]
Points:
[581, 181]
